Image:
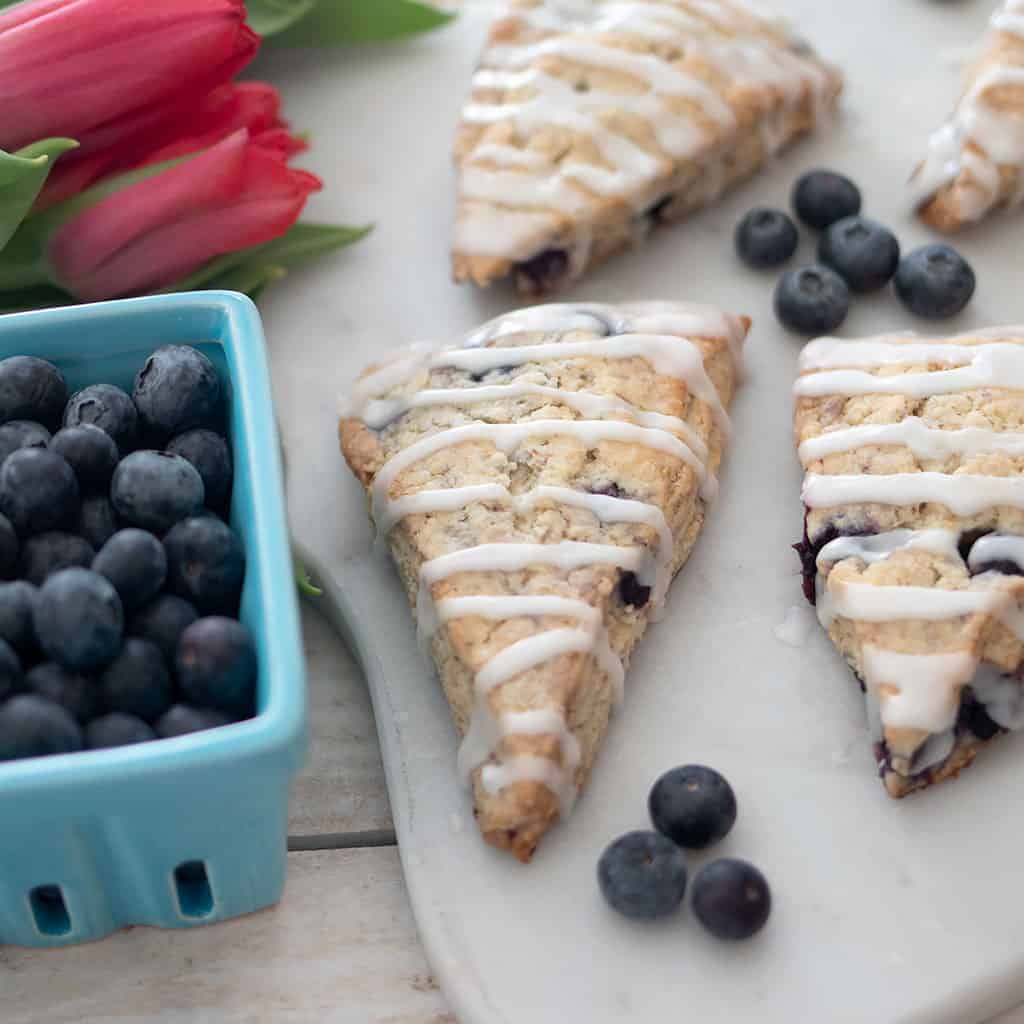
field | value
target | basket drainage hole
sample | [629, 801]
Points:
[49, 910]
[195, 897]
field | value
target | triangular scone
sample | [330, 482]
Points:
[539, 484]
[591, 122]
[914, 536]
[975, 161]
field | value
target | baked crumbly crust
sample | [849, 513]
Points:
[588, 124]
[914, 536]
[975, 161]
[537, 724]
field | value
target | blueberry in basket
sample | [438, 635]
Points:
[112, 556]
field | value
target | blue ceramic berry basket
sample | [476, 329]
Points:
[191, 830]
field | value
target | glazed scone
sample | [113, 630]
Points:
[975, 161]
[539, 484]
[590, 121]
[913, 543]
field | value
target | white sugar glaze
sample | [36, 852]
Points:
[979, 136]
[656, 332]
[512, 87]
[917, 691]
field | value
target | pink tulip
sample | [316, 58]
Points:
[252, 105]
[236, 194]
[98, 70]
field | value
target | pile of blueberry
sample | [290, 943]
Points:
[855, 254]
[118, 617]
[643, 874]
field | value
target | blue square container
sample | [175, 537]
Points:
[191, 830]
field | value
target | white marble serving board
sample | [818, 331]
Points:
[884, 911]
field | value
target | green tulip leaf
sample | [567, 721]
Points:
[331, 22]
[22, 176]
[42, 297]
[268, 17]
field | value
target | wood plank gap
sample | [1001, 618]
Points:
[343, 840]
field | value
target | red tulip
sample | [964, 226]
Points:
[173, 133]
[236, 194]
[99, 70]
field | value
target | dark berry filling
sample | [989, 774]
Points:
[609, 491]
[975, 719]
[655, 213]
[808, 551]
[632, 591]
[967, 540]
[1001, 565]
[544, 271]
[494, 371]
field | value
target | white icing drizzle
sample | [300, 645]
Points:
[879, 546]
[534, 98]
[898, 350]
[996, 547]
[978, 137]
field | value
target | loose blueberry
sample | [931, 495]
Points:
[107, 407]
[17, 604]
[162, 622]
[692, 805]
[209, 453]
[216, 663]
[38, 491]
[205, 564]
[31, 389]
[183, 719]
[10, 551]
[177, 389]
[154, 490]
[137, 682]
[543, 273]
[863, 252]
[135, 562]
[117, 730]
[17, 434]
[31, 726]
[820, 198]
[90, 452]
[731, 898]
[11, 676]
[78, 619]
[765, 238]
[97, 521]
[47, 553]
[73, 691]
[934, 281]
[811, 300]
[642, 875]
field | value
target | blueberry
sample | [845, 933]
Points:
[177, 389]
[183, 719]
[216, 663]
[820, 198]
[78, 619]
[107, 407]
[17, 604]
[17, 434]
[97, 521]
[90, 452]
[31, 389]
[811, 300]
[31, 726]
[47, 553]
[934, 281]
[208, 451]
[163, 621]
[765, 238]
[154, 490]
[543, 272]
[38, 491]
[692, 805]
[731, 898]
[117, 730]
[642, 875]
[205, 564]
[863, 252]
[10, 671]
[73, 691]
[137, 682]
[135, 562]
[10, 551]
[632, 591]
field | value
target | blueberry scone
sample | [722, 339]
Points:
[590, 121]
[539, 484]
[975, 161]
[913, 543]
